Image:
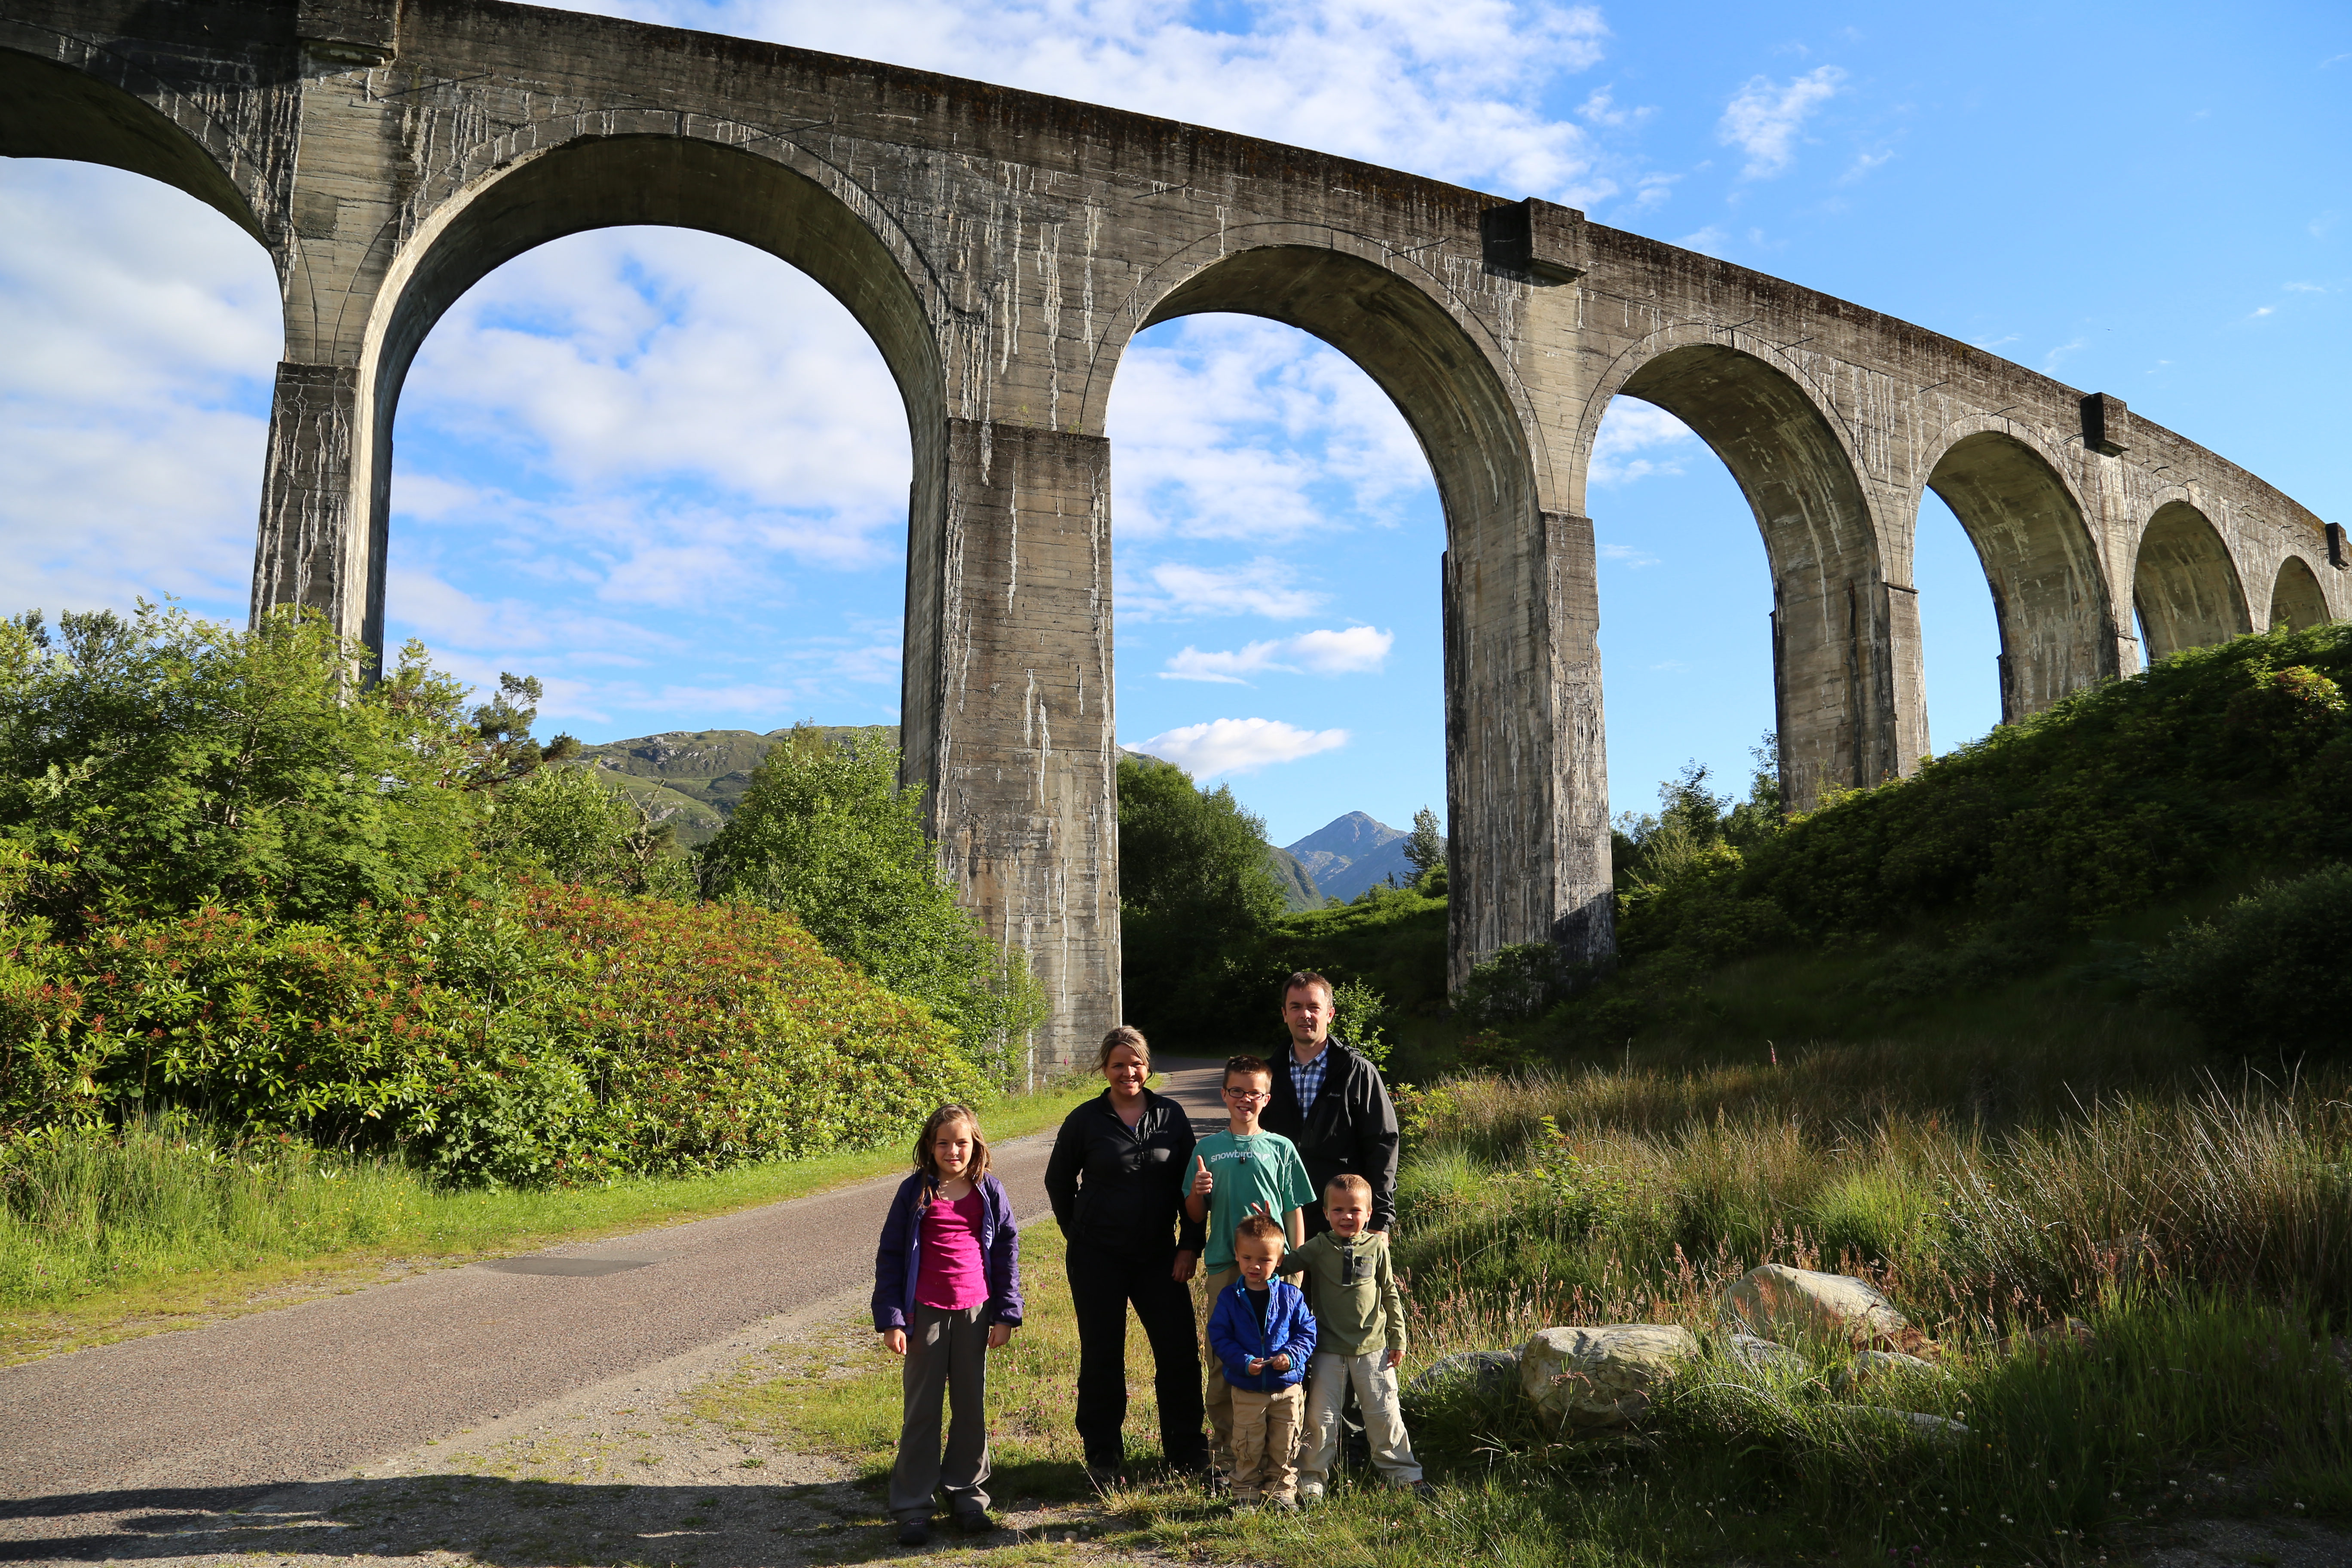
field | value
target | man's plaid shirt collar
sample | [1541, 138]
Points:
[1307, 1078]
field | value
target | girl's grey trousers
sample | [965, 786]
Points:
[947, 1355]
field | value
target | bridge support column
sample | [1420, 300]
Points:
[1526, 773]
[307, 554]
[1007, 717]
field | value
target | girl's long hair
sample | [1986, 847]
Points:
[975, 1173]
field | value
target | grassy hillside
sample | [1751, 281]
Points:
[1297, 885]
[692, 778]
[2086, 859]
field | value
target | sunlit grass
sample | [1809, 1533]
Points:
[2212, 1380]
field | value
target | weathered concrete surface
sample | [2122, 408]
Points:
[1002, 247]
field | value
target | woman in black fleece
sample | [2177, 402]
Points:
[1120, 1167]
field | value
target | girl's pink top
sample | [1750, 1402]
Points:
[951, 1276]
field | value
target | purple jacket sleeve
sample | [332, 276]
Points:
[1003, 1260]
[891, 1286]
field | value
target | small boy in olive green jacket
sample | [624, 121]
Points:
[1359, 1340]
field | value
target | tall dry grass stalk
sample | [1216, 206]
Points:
[1563, 1197]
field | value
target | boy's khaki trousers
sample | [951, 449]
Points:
[1329, 1378]
[1219, 1401]
[1265, 1442]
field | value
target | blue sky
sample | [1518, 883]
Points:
[668, 475]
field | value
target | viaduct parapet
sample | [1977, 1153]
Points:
[1002, 247]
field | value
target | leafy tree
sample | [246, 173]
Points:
[825, 831]
[1196, 904]
[158, 764]
[575, 827]
[2263, 974]
[1424, 847]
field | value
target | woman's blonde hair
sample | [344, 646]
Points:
[927, 1162]
[1126, 1035]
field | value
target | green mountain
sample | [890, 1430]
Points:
[692, 778]
[1298, 888]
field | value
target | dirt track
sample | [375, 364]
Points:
[103, 1450]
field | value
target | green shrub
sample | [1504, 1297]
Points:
[569, 824]
[2264, 975]
[155, 766]
[533, 1033]
[1196, 906]
[825, 831]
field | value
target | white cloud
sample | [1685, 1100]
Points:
[1707, 241]
[1863, 163]
[637, 356]
[1230, 428]
[1454, 91]
[1763, 118]
[1238, 746]
[1601, 109]
[2057, 356]
[1357, 650]
[143, 333]
[1627, 556]
[1637, 439]
[1175, 590]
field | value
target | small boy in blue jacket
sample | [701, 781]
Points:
[1263, 1337]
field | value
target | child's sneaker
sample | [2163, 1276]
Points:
[1309, 1496]
[1245, 1502]
[1282, 1502]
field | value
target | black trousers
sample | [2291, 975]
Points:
[1103, 1285]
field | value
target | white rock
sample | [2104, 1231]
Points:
[1780, 1302]
[1593, 1378]
[1932, 1426]
[1760, 1354]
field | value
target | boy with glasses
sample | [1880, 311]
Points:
[1240, 1171]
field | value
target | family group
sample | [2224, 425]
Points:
[1300, 1184]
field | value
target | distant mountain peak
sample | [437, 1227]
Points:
[1354, 834]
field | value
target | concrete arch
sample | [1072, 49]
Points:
[2185, 586]
[1833, 616]
[1398, 333]
[1520, 629]
[607, 181]
[2049, 594]
[2297, 598]
[49, 110]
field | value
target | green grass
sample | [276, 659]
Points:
[158, 1228]
[2199, 1231]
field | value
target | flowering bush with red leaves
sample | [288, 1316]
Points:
[522, 1033]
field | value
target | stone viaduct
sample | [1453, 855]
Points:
[1002, 247]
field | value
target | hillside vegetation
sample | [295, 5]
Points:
[693, 779]
[237, 895]
[2138, 846]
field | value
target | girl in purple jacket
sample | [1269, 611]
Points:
[946, 1290]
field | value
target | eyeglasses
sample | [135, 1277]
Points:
[1249, 1094]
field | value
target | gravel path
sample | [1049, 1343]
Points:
[322, 1390]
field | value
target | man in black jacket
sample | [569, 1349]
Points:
[1331, 1103]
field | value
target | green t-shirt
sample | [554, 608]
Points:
[1262, 1168]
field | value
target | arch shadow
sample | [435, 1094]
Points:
[1832, 609]
[2049, 594]
[2185, 586]
[2297, 601]
[612, 182]
[49, 110]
